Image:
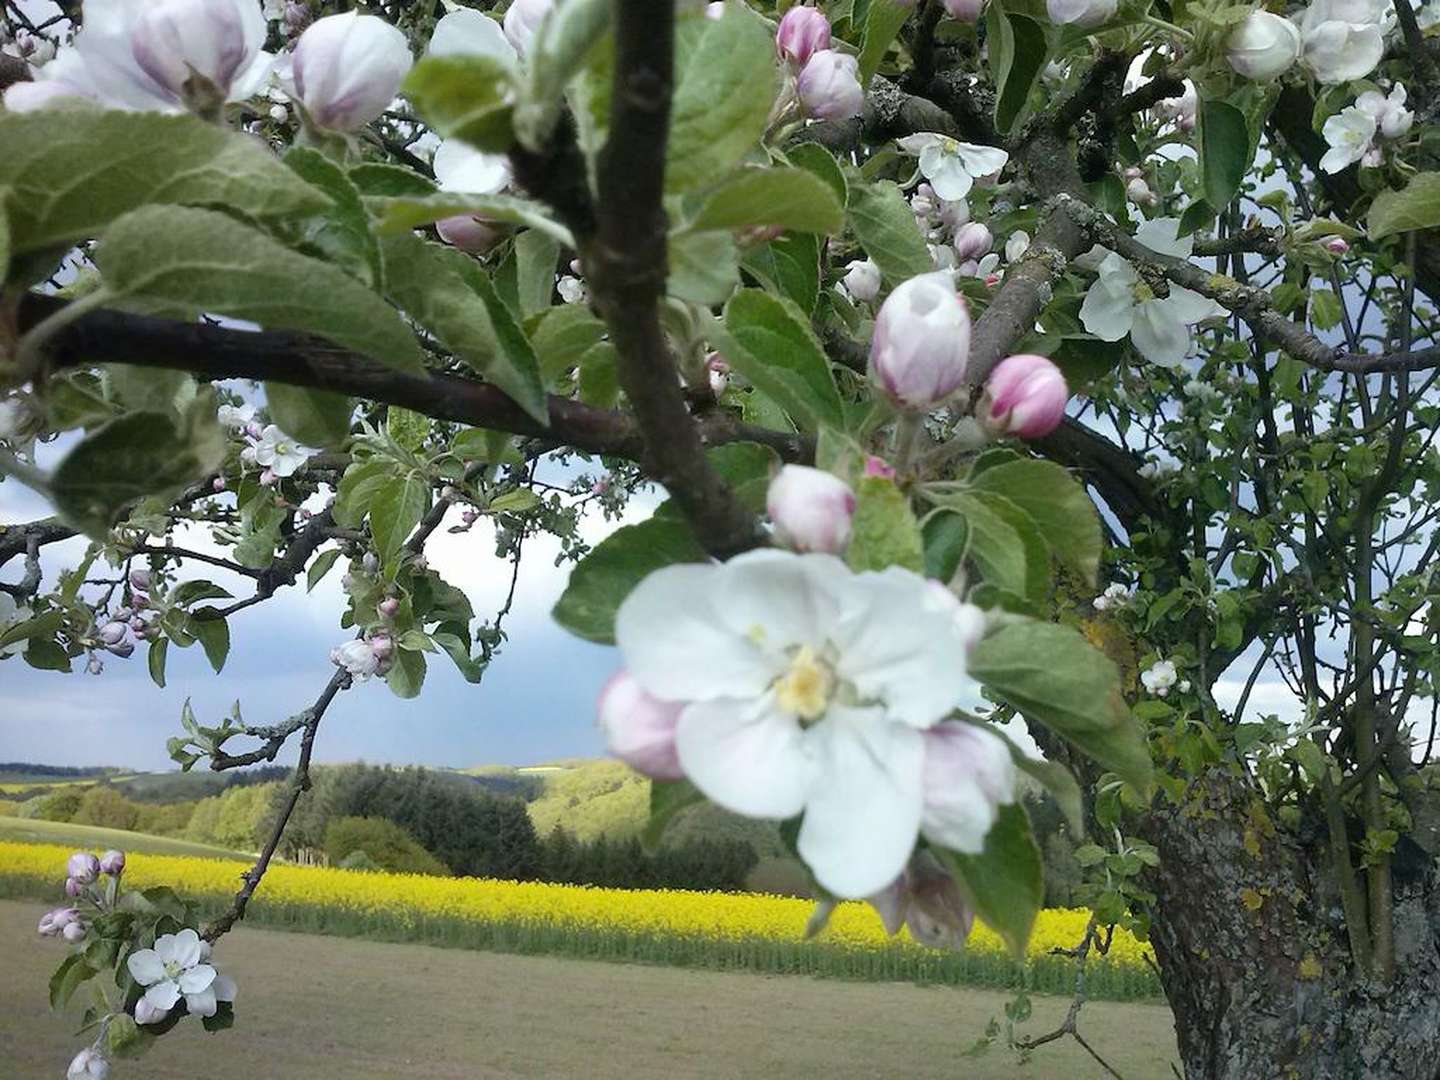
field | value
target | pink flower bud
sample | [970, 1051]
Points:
[926, 899]
[1336, 245]
[82, 867]
[469, 516]
[972, 240]
[88, 1064]
[112, 633]
[876, 466]
[803, 31]
[218, 484]
[138, 624]
[145, 1013]
[370, 563]
[124, 650]
[347, 68]
[964, 10]
[811, 509]
[112, 862]
[387, 608]
[968, 774]
[639, 729]
[382, 645]
[921, 345]
[73, 888]
[297, 17]
[267, 478]
[140, 579]
[56, 919]
[862, 280]
[1026, 396]
[470, 234]
[73, 933]
[829, 86]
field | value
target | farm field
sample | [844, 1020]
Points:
[675, 928]
[326, 1009]
[36, 831]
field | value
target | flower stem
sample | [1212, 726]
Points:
[908, 430]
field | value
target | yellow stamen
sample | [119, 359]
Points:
[805, 688]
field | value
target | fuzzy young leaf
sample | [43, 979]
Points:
[1417, 206]
[342, 234]
[1062, 512]
[773, 346]
[882, 23]
[787, 198]
[885, 226]
[469, 98]
[884, 531]
[395, 511]
[704, 267]
[210, 262]
[1224, 151]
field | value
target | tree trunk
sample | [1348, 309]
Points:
[1254, 957]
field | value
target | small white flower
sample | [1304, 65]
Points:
[357, 657]
[952, 167]
[1120, 303]
[1391, 116]
[88, 1064]
[1159, 678]
[461, 168]
[862, 280]
[279, 453]
[571, 290]
[1085, 13]
[176, 968]
[1351, 134]
[235, 417]
[1344, 39]
[1115, 595]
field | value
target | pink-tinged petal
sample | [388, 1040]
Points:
[466, 32]
[968, 773]
[163, 995]
[202, 1003]
[862, 815]
[145, 966]
[639, 729]
[746, 756]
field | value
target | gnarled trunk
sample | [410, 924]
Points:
[1250, 936]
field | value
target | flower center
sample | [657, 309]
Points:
[805, 688]
[172, 970]
[1142, 292]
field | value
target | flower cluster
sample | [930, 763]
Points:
[1355, 134]
[276, 454]
[827, 81]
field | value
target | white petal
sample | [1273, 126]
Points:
[197, 979]
[1191, 307]
[461, 168]
[167, 948]
[863, 814]
[904, 640]
[146, 966]
[949, 177]
[783, 598]
[186, 948]
[982, 160]
[746, 756]
[202, 1003]
[163, 995]
[465, 32]
[918, 143]
[1109, 309]
[678, 647]
[968, 773]
[224, 987]
[1163, 235]
[1159, 334]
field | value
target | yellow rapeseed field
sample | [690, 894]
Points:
[406, 904]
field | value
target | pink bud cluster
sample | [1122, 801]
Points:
[828, 83]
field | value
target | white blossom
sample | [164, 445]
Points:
[1391, 117]
[279, 453]
[1115, 595]
[1159, 677]
[1344, 39]
[176, 968]
[346, 69]
[1086, 13]
[862, 280]
[464, 169]
[88, 1064]
[235, 417]
[1351, 135]
[952, 167]
[467, 32]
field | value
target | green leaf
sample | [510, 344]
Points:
[471, 669]
[994, 545]
[1052, 675]
[788, 198]
[46, 655]
[155, 660]
[377, 179]
[214, 637]
[188, 592]
[774, 347]
[313, 417]
[536, 256]
[132, 456]
[815, 159]
[514, 502]
[407, 673]
[1198, 215]
[1005, 883]
[747, 469]
[562, 336]
[1055, 501]
[395, 510]
[208, 261]
[401, 215]
[342, 234]
[882, 23]
[704, 267]
[789, 266]
[667, 799]
[4, 236]
[603, 579]
[70, 179]
[724, 89]
[1415, 207]
[884, 531]
[470, 98]
[320, 567]
[447, 292]
[1224, 151]
[360, 484]
[945, 537]
[885, 226]
[1017, 54]
[599, 382]
[73, 971]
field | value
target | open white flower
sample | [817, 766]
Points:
[807, 688]
[952, 167]
[1159, 678]
[1120, 303]
[1351, 134]
[1344, 39]
[176, 968]
[279, 453]
[1391, 116]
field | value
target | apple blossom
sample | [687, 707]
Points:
[382, 646]
[1086, 13]
[66, 78]
[297, 17]
[803, 31]
[280, 454]
[112, 633]
[522, 19]
[146, 1013]
[972, 241]
[828, 86]
[862, 280]
[55, 920]
[467, 32]
[1159, 677]
[1343, 39]
[1115, 595]
[1120, 303]
[1351, 135]
[1016, 244]
[88, 1064]
[1263, 47]
[74, 888]
[806, 688]
[958, 815]
[347, 68]
[357, 657]
[639, 729]
[461, 168]
[811, 509]
[951, 166]
[926, 899]
[921, 345]
[1335, 245]
[175, 968]
[73, 933]
[387, 608]
[235, 417]
[82, 867]
[571, 290]
[1025, 396]
[964, 10]
[1391, 117]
